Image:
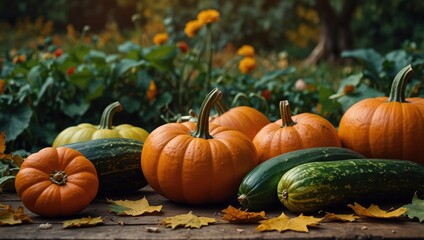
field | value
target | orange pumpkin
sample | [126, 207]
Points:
[56, 182]
[290, 133]
[187, 163]
[245, 119]
[386, 127]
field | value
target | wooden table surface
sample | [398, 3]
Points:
[127, 227]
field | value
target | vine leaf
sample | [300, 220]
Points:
[132, 208]
[8, 216]
[82, 222]
[374, 211]
[341, 217]
[235, 215]
[416, 208]
[188, 220]
[284, 223]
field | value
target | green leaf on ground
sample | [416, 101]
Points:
[416, 208]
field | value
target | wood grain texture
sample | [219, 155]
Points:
[122, 227]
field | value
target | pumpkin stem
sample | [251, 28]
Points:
[58, 177]
[107, 115]
[285, 113]
[202, 126]
[397, 92]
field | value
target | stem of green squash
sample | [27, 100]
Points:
[285, 113]
[107, 115]
[397, 92]
[202, 126]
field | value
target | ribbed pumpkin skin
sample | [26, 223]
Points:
[197, 163]
[44, 197]
[307, 130]
[87, 131]
[245, 119]
[386, 127]
[193, 170]
[377, 128]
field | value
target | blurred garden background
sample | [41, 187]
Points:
[62, 62]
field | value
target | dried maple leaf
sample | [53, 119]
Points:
[341, 217]
[284, 223]
[374, 211]
[132, 208]
[82, 222]
[188, 220]
[8, 216]
[416, 208]
[235, 215]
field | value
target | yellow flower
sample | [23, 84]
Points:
[246, 51]
[247, 65]
[192, 27]
[160, 38]
[208, 16]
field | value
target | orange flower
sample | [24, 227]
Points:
[247, 65]
[152, 91]
[2, 85]
[19, 59]
[160, 38]
[192, 27]
[208, 16]
[246, 51]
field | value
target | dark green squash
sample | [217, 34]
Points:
[258, 190]
[117, 161]
[316, 186]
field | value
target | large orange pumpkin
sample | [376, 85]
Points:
[56, 182]
[187, 163]
[290, 133]
[245, 119]
[386, 127]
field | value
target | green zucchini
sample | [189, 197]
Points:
[257, 190]
[316, 186]
[117, 161]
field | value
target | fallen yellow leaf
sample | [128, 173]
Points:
[82, 222]
[374, 211]
[188, 220]
[235, 215]
[132, 208]
[8, 216]
[284, 223]
[341, 217]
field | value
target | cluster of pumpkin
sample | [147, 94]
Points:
[205, 161]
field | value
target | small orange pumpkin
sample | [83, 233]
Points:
[56, 182]
[186, 163]
[245, 119]
[290, 133]
[386, 127]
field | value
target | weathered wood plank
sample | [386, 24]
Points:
[125, 227]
